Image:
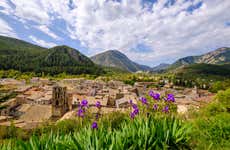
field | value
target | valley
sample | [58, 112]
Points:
[114, 75]
[62, 92]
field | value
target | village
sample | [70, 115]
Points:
[46, 100]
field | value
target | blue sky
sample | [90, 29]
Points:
[148, 31]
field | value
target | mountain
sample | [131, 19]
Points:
[25, 57]
[114, 58]
[66, 56]
[219, 56]
[160, 67]
[211, 71]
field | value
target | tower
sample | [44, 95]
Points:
[59, 101]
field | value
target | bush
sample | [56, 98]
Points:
[224, 98]
[211, 125]
[217, 86]
[12, 132]
[212, 132]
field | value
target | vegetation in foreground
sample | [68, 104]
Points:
[148, 128]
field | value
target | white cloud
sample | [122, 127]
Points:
[170, 32]
[6, 30]
[31, 10]
[5, 7]
[47, 31]
[41, 42]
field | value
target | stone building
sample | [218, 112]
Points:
[60, 101]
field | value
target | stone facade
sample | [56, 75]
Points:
[59, 101]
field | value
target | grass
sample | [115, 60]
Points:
[213, 132]
[211, 125]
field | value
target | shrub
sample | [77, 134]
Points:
[220, 85]
[217, 86]
[224, 97]
[211, 125]
[212, 132]
[12, 132]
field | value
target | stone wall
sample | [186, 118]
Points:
[59, 101]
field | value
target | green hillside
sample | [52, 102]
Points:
[20, 55]
[25, 57]
[205, 71]
[114, 58]
[218, 56]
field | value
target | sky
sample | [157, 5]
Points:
[149, 32]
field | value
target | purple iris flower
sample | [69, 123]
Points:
[97, 116]
[84, 103]
[166, 109]
[80, 112]
[170, 97]
[132, 115]
[98, 104]
[151, 93]
[131, 101]
[94, 125]
[156, 96]
[134, 106]
[143, 100]
[136, 111]
[155, 106]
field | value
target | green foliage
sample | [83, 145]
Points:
[141, 133]
[7, 96]
[114, 121]
[11, 132]
[140, 77]
[211, 125]
[17, 74]
[213, 108]
[217, 86]
[220, 85]
[212, 132]
[202, 75]
[224, 98]
[25, 57]
[208, 70]
[2, 107]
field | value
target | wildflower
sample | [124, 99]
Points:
[156, 96]
[132, 115]
[131, 101]
[80, 112]
[143, 100]
[166, 109]
[134, 106]
[170, 97]
[155, 106]
[151, 93]
[136, 111]
[84, 103]
[94, 125]
[98, 104]
[97, 115]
